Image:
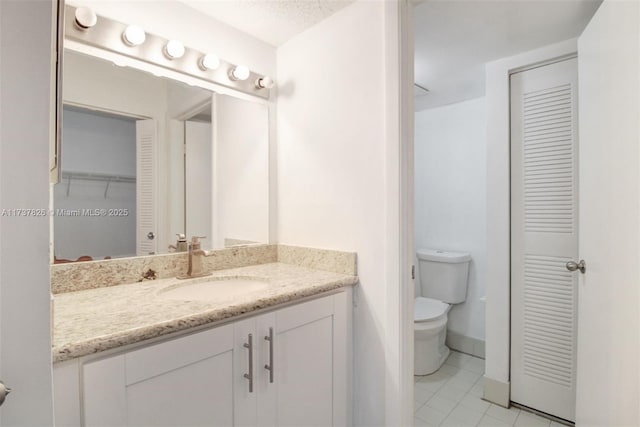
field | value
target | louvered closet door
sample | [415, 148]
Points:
[544, 236]
[146, 172]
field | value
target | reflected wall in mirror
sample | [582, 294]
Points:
[146, 158]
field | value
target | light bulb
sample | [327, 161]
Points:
[209, 62]
[134, 35]
[85, 18]
[174, 49]
[265, 83]
[239, 72]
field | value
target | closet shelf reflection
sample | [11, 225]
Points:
[91, 176]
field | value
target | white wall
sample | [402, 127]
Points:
[450, 197]
[332, 153]
[608, 374]
[25, 136]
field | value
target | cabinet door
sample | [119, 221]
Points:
[266, 403]
[253, 406]
[308, 346]
[304, 364]
[187, 382]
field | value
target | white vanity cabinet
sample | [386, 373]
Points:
[204, 379]
[310, 358]
[186, 381]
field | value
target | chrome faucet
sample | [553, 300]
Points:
[181, 244]
[195, 255]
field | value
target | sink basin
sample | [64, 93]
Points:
[213, 288]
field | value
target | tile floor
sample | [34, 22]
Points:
[452, 396]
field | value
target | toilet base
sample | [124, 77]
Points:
[430, 351]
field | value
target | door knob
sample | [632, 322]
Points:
[573, 266]
[150, 235]
[4, 391]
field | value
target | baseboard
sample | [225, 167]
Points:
[496, 391]
[464, 344]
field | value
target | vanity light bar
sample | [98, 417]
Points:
[265, 83]
[239, 72]
[117, 37]
[174, 49]
[209, 61]
[133, 35]
[85, 18]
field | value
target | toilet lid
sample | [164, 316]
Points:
[428, 309]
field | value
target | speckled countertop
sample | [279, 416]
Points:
[94, 320]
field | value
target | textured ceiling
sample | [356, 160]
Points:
[454, 39]
[273, 21]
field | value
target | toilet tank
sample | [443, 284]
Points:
[443, 275]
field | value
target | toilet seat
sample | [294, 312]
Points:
[429, 310]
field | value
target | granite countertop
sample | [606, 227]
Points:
[94, 320]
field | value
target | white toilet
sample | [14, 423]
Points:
[443, 281]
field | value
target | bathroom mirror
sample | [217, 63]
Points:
[145, 158]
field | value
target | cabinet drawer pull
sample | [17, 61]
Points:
[269, 367]
[249, 376]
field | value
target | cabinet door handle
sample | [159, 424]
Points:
[249, 376]
[269, 367]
